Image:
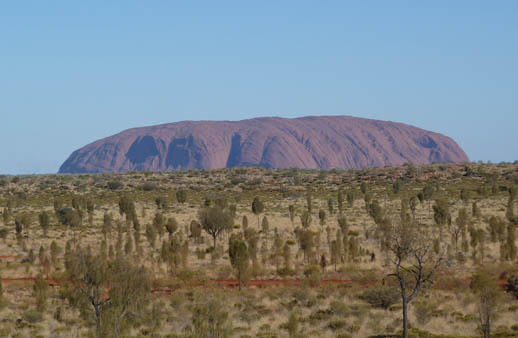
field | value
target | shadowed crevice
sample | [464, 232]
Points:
[234, 156]
[142, 149]
[183, 153]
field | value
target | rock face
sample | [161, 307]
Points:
[308, 142]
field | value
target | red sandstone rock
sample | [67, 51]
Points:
[309, 142]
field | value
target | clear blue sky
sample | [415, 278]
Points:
[72, 72]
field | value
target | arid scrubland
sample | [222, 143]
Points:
[262, 253]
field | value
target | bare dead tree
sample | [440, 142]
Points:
[414, 264]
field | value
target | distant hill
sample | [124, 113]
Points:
[313, 142]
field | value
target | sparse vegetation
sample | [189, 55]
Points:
[429, 248]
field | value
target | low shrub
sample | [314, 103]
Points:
[339, 308]
[337, 324]
[380, 297]
[283, 272]
[423, 312]
[32, 316]
[313, 276]
[512, 285]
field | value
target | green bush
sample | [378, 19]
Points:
[283, 272]
[114, 185]
[339, 308]
[423, 312]
[320, 315]
[145, 186]
[313, 276]
[380, 297]
[337, 324]
[304, 297]
[32, 316]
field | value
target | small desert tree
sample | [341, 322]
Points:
[128, 295]
[181, 196]
[413, 205]
[511, 242]
[252, 239]
[214, 220]
[54, 252]
[363, 187]
[340, 200]
[441, 214]
[159, 224]
[245, 222]
[112, 291]
[322, 217]
[305, 219]
[257, 208]
[335, 254]
[88, 280]
[292, 326]
[414, 264]
[342, 223]
[210, 318]
[40, 292]
[291, 209]
[350, 198]
[161, 202]
[489, 295]
[306, 242]
[44, 221]
[459, 227]
[107, 224]
[238, 254]
[127, 207]
[330, 207]
[151, 235]
[309, 203]
[23, 222]
[265, 225]
[195, 229]
[171, 226]
[69, 217]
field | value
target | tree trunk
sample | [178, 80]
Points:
[489, 328]
[214, 238]
[405, 318]
[97, 320]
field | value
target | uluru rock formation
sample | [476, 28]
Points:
[311, 142]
